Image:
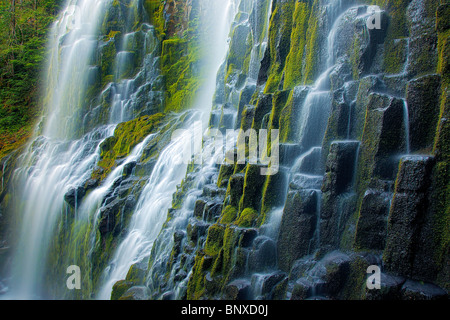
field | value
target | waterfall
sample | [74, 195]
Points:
[149, 213]
[53, 163]
[313, 120]
[58, 165]
[73, 40]
[66, 146]
[156, 198]
[406, 124]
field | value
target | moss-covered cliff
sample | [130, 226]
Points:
[363, 175]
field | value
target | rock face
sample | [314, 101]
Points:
[297, 227]
[422, 96]
[352, 196]
[407, 218]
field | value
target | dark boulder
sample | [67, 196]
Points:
[262, 257]
[297, 227]
[238, 290]
[371, 227]
[74, 195]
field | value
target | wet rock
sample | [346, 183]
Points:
[340, 166]
[303, 289]
[442, 14]
[423, 38]
[297, 227]
[333, 271]
[253, 187]
[212, 211]
[290, 115]
[263, 254]
[390, 288]
[128, 169]
[91, 184]
[199, 208]
[236, 189]
[288, 153]
[414, 174]
[108, 217]
[423, 107]
[130, 203]
[300, 268]
[309, 163]
[414, 290]
[136, 273]
[238, 290]
[371, 227]
[384, 137]
[367, 85]
[338, 199]
[304, 181]
[409, 211]
[264, 69]
[74, 195]
[247, 236]
[396, 84]
[144, 169]
[119, 288]
[136, 293]
[247, 117]
[263, 285]
[196, 230]
[169, 295]
[178, 237]
[211, 190]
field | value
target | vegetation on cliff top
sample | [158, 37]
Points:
[23, 28]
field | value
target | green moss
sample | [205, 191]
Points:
[443, 66]
[247, 218]
[294, 60]
[225, 173]
[119, 288]
[196, 285]
[312, 42]
[126, 136]
[108, 55]
[179, 59]
[214, 240]
[135, 275]
[155, 12]
[280, 28]
[355, 57]
[354, 286]
[253, 183]
[229, 215]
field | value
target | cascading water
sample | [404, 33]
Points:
[58, 166]
[156, 197]
[313, 121]
[53, 163]
[149, 214]
[63, 156]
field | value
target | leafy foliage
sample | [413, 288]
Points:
[23, 28]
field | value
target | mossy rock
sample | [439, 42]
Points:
[229, 215]
[119, 288]
[214, 240]
[247, 218]
[126, 136]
